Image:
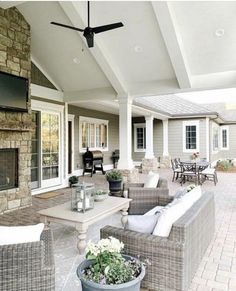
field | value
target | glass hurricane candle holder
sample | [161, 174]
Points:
[82, 197]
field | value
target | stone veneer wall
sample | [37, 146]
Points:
[15, 126]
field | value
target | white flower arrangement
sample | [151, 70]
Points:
[111, 245]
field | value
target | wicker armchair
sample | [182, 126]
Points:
[173, 260]
[28, 266]
[144, 199]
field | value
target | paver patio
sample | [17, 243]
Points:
[217, 270]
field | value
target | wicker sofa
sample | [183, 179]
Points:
[143, 199]
[28, 266]
[173, 260]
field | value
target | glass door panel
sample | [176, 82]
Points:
[50, 148]
[35, 151]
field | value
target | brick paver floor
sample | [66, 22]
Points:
[217, 270]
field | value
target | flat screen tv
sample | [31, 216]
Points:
[14, 92]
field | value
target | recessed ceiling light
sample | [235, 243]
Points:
[138, 49]
[76, 61]
[219, 32]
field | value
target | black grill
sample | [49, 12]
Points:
[93, 161]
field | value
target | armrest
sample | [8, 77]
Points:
[47, 238]
[162, 183]
[126, 186]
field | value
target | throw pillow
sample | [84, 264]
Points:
[141, 223]
[151, 180]
[20, 234]
[175, 211]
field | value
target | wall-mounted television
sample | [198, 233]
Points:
[14, 92]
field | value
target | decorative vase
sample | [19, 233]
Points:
[133, 285]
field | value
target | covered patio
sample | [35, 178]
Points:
[217, 270]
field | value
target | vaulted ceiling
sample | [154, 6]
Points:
[164, 47]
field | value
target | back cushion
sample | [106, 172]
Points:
[151, 180]
[141, 223]
[175, 211]
[20, 234]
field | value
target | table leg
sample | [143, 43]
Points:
[124, 218]
[44, 220]
[81, 245]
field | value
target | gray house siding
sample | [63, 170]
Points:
[176, 138]
[221, 154]
[113, 133]
[157, 139]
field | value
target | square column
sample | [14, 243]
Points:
[125, 133]
[165, 138]
[149, 137]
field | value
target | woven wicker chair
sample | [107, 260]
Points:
[173, 260]
[28, 266]
[143, 199]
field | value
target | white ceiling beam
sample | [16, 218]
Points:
[76, 13]
[45, 73]
[46, 93]
[90, 95]
[173, 42]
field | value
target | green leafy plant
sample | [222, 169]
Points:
[73, 180]
[101, 192]
[224, 165]
[109, 266]
[114, 175]
[190, 187]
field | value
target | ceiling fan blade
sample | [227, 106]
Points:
[90, 40]
[67, 26]
[103, 28]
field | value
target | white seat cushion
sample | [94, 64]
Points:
[151, 180]
[208, 171]
[175, 211]
[20, 234]
[141, 223]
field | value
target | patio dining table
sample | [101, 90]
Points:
[201, 165]
[198, 167]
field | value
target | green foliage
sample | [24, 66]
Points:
[224, 165]
[74, 179]
[112, 268]
[114, 175]
[108, 266]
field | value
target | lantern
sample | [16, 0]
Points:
[82, 197]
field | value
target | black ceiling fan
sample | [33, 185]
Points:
[88, 32]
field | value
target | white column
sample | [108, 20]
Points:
[208, 139]
[165, 138]
[125, 133]
[149, 137]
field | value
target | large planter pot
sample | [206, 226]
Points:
[115, 187]
[91, 286]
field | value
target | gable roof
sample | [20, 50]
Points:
[173, 106]
[225, 111]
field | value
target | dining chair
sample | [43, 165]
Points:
[189, 171]
[177, 171]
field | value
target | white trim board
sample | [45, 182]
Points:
[46, 93]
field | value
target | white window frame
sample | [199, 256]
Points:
[136, 126]
[92, 121]
[227, 137]
[215, 125]
[191, 123]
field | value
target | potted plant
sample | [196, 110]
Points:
[107, 269]
[114, 178]
[73, 180]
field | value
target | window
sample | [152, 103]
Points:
[139, 137]
[215, 137]
[93, 133]
[190, 136]
[224, 137]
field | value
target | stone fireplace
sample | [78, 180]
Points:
[15, 127]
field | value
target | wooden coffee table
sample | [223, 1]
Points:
[81, 221]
